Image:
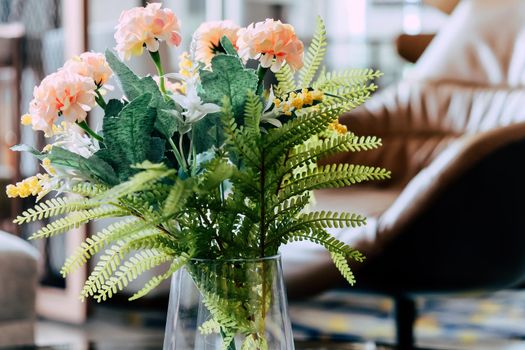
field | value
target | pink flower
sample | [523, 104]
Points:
[273, 43]
[207, 37]
[92, 65]
[61, 93]
[146, 26]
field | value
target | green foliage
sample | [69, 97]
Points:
[230, 78]
[286, 79]
[134, 86]
[130, 270]
[93, 168]
[334, 81]
[128, 137]
[77, 219]
[315, 55]
[53, 207]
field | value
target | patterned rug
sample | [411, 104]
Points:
[492, 322]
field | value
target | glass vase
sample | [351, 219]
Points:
[228, 305]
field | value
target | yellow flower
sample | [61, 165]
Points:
[185, 65]
[47, 148]
[46, 164]
[26, 119]
[28, 187]
[317, 95]
[277, 102]
[338, 127]
[11, 191]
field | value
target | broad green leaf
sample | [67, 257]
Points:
[166, 122]
[228, 78]
[134, 86]
[27, 148]
[228, 46]
[94, 167]
[128, 137]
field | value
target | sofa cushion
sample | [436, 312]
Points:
[18, 278]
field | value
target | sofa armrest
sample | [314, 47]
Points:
[450, 166]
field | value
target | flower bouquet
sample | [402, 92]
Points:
[209, 170]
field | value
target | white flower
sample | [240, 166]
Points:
[72, 138]
[194, 108]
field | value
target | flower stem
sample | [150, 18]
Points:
[178, 156]
[155, 56]
[100, 99]
[90, 132]
[261, 72]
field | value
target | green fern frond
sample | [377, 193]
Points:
[297, 131]
[342, 265]
[331, 176]
[88, 189]
[113, 256]
[253, 109]
[314, 56]
[139, 263]
[285, 77]
[139, 182]
[236, 142]
[77, 219]
[323, 238]
[54, 207]
[157, 280]
[251, 343]
[332, 81]
[210, 327]
[177, 196]
[328, 219]
[92, 245]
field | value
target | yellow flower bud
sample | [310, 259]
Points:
[11, 191]
[26, 119]
[47, 148]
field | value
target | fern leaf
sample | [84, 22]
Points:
[54, 207]
[113, 256]
[209, 327]
[297, 131]
[286, 79]
[323, 219]
[314, 56]
[92, 245]
[236, 142]
[77, 219]
[88, 189]
[177, 196]
[157, 280]
[331, 176]
[342, 265]
[323, 238]
[332, 81]
[306, 153]
[252, 114]
[138, 182]
[142, 261]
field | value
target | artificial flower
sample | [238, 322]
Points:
[194, 108]
[92, 65]
[146, 26]
[206, 40]
[271, 42]
[61, 93]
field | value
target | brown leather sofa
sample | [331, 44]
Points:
[451, 219]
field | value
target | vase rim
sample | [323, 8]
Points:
[266, 258]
